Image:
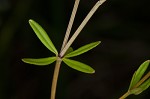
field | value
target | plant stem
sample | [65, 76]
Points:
[55, 78]
[142, 80]
[58, 62]
[100, 2]
[66, 45]
[70, 23]
[125, 95]
[137, 85]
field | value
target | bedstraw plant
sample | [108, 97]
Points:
[66, 52]
[139, 83]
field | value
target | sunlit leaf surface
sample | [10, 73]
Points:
[83, 49]
[139, 73]
[40, 61]
[42, 35]
[78, 66]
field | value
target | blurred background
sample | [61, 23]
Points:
[122, 26]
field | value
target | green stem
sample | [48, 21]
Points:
[125, 95]
[137, 85]
[55, 78]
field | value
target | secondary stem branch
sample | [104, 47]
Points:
[66, 45]
[137, 85]
[142, 80]
[55, 78]
[90, 14]
[70, 23]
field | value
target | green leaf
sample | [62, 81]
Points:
[145, 85]
[42, 35]
[78, 66]
[40, 61]
[141, 88]
[132, 80]
[139, 73]
[136, 91]
[83, 49]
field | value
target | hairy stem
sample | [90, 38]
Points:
[90, 14]
[55, 78]
[70, 23]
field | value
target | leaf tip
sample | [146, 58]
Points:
[148, 61]
[22, 59]
[30, 20]
[25, 60]
[93, 72]
[98, 42]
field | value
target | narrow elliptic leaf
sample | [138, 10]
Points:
[132, 80]
[40, 61]
[136, 91]
[78, 66]
[42, 35]
[83, 49]
[139, 73]
[141, 88]
[145, 85]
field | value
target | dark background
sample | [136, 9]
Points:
[122, 26]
